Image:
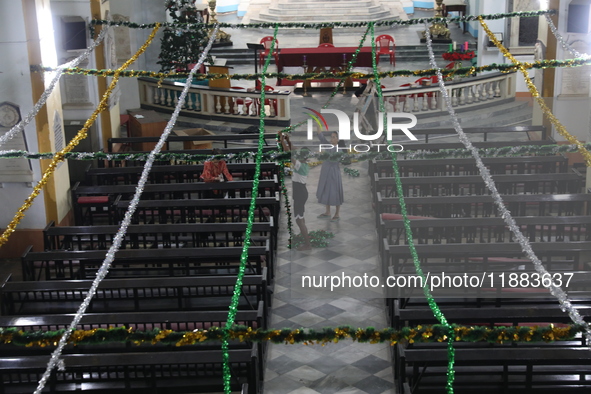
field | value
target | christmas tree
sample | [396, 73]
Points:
[182, 45]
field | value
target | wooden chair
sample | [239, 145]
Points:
[386, 46]
[266, 41]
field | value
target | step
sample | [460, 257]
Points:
[324, 4]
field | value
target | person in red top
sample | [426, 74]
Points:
[216, 170]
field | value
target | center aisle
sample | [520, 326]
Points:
[346, 367]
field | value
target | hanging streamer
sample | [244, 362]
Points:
[233, 309]
[556, 291]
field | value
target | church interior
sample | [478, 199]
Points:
[295, 197]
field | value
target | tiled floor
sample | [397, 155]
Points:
[344, 367]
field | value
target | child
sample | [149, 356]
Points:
[300, 191]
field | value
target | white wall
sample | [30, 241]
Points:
[573, 113]
[493, 55]
[15, 87]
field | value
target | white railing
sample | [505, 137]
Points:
[465, 93]
[235, 104]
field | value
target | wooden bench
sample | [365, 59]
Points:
[491, 315]
[185, 370]
[160, 294]
[474, 185]
[482, 257]
[139, 321]
[197, 190]
[438, 146]
[158, 236]
[224, 138]
[487, 230]
[483, 206]
[467, 166]
[243, 155]
[199, 211]
[497, 369]
[172, 173]
[60, 264]
[165, 320]
[525, 131]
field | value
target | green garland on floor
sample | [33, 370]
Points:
[424, 334]
[318, 239]
[351, 172]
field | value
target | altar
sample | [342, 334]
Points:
[319, 59]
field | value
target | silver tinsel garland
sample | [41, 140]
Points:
[110, 255]
[562, 41]
[556, 291]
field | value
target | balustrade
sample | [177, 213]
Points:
[464, 93]
[233, 105]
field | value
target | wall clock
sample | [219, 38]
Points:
[9, 114]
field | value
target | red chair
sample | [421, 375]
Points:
[266, 41]
[326, 45]
[383, 43]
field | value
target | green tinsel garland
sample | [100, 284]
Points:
[285, 157]
[463, 71]
[394, 22]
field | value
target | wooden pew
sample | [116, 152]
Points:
[437, 146]
[160, 294]
[197, 190]
[482, 257]
[491, 315]
[467, 166]
[172, 173]
[141, 161]
[165, 320]
[139, 321]
[199, 211]
[474, 185]
[60, 265]
[225, 138]
[174, 371]
[483, 206]
[498, 369]
[157, 236]
[523, 131]
[487, 230]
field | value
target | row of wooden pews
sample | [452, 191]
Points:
[175, 270]
[458, 231]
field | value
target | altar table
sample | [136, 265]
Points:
[333, 58]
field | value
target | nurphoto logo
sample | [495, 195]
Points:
[345, 128]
